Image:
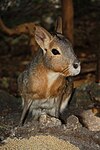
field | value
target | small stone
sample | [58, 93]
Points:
[73, 122]
[12, 133]
[43, 118]
[1, 138]
[49, 121]
[55, 121]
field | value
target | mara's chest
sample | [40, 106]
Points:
[55, 84]
[47, 85]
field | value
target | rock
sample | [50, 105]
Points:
[73, 123]
[9, 102]
[91, 121]
[49, 121]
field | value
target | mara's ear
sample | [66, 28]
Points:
[58, 25]
[42, 37]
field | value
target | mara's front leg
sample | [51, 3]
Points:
[27, 104]
[65, 96]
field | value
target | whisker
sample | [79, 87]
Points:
[66, 69]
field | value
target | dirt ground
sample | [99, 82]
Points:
[78, 129]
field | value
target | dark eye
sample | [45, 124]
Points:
[55, 52]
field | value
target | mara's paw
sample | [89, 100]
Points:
[49, 121]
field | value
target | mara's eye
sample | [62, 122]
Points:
[55, 52]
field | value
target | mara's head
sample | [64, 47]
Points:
[58, 52]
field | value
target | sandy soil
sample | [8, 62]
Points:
[38, 143]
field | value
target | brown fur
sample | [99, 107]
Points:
[43, 86]
[57, 86]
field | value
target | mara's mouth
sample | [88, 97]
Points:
[74, 71]
[71, 70]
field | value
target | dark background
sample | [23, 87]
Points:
[15, 52]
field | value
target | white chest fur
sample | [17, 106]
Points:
[52, 76]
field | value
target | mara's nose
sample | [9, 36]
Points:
[76, 64]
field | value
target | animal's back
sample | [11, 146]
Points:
[24, 77]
